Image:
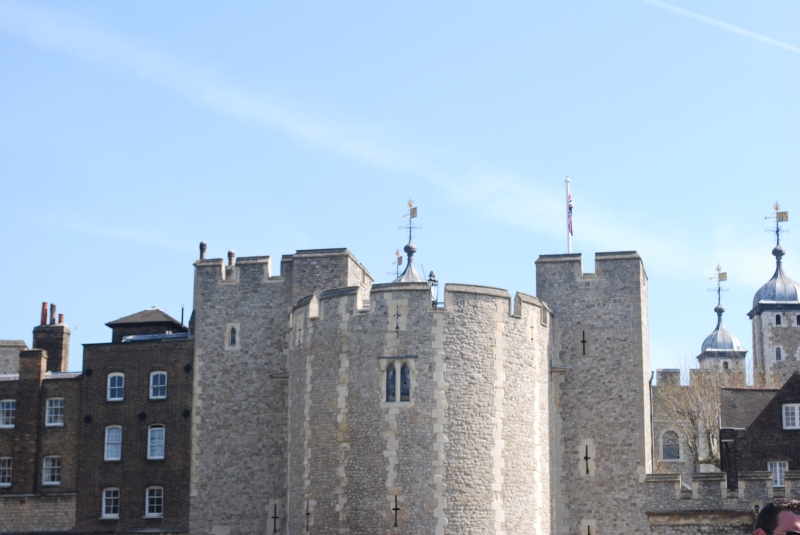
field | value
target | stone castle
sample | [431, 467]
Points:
[322, 402]
[346, 406]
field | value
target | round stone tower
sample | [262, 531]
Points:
[415, 419]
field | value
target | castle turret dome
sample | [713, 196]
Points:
[410, 274]
[780, 288]
[721, 339]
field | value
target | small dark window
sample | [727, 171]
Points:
[232, 341]
[777, 319]
[390, 383]
[671, 446]
[798, 320]
[778, 354]
[405, 383]
[724, 365]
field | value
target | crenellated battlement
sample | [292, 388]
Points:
[421, 292]
[706, 500]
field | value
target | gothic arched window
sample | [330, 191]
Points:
[798, 320]
[390, 382]
[405, 383]
[670, 446]
[724, 365]
[777, 353]
[232, 341]
[777, 319]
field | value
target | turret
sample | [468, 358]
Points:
[776, 325]
[721, 350]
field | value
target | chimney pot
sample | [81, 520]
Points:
[61, 319]
[231, 256]
[203, 247]
[44, 314]
[53, 314]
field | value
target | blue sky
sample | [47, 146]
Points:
[131, 131]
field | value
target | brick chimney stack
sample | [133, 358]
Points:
[54, 339]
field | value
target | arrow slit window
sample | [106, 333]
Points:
[390, 383]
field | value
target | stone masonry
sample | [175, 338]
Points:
[601, 440]
[467, 453]
[239, 415]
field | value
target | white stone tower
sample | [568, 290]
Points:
[776, 325]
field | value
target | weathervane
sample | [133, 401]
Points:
[720, 277]
[412, 214]
[397, 263]
[779, 217]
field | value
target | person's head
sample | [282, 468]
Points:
[779, 517]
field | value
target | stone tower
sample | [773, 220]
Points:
[776, 325]
[405, 418]
[239, 414]
[601, 426]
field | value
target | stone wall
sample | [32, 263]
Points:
[662, 424]
[9, 355]
[239, 454]
[37, 513]
[710, 507]
[601, 436]
[768, 336]
[467, 453]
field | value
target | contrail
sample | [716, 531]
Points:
[723, 25]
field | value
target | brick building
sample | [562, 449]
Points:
[135, 430]
[40, 409]
[760, 431]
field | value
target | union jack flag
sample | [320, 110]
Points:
[569, 213]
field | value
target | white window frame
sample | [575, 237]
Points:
[55, 413]
[778, 476]
[792, 409]
[8, 413]
[151, 444]
[51, 470]
[108, 496]
[158, 495]
[108, 387]
[153, 387]
[5, 471]
[118, 444]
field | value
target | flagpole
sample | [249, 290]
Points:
[569, 234]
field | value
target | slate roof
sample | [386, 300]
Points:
[740, 406]
[151, 315]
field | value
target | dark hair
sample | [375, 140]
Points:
[768, 517]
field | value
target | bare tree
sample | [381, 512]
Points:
[693, 410]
